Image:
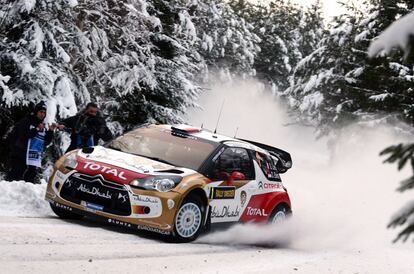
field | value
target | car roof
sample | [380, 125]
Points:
[211, 136]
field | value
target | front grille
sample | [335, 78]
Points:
[111, 196]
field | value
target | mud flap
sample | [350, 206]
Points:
[207, 221]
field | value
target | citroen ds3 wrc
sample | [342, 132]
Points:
[172, 180]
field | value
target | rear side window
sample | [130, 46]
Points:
[268, 165]
[230, 160]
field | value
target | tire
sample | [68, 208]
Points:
[64, 214]
[188, 222]
[280, 214]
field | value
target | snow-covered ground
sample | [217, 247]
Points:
[342, 199]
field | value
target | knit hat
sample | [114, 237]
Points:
[39, 106]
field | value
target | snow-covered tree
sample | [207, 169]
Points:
[35, 60]
[337, 84]
[227, 41]
[126, 55]
[399, 36]
[285, 30]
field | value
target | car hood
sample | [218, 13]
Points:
[123, 167]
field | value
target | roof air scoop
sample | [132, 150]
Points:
[185, 128]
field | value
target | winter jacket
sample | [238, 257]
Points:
[83, 128]
[19, 137]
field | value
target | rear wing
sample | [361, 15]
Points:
[285, 160]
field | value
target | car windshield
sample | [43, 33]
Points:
[165, 146]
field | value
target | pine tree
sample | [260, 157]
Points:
[402, 154]
[227, 41]
[337, 84]
[285, 33]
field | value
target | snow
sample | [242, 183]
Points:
[362, 36]
[63, 99]
[379, 97]
[37, 39]
[308, 58]
[311, 101]
[72, 3]
[401, 69]
[338, 194]
[397, 35]
[27, 5]
[21, 199]
[7, 96]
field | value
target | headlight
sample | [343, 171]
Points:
[70, 161]
[159, 183]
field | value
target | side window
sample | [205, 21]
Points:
[268, 165]
[233, 159]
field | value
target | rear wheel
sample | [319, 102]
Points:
[279, 214]
[189, 219]
[65, 214]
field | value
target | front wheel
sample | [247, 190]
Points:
[279, 214]
[189, 220]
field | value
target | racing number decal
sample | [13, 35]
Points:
[222, 192]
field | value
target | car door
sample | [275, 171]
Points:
[233, 183]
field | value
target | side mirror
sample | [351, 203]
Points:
[238, 176]
[222, 175]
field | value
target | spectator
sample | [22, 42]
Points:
[87, 128]
[27, 141]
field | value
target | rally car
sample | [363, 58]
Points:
[173, 180]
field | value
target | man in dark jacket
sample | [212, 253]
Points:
[86, 128]
[27, 141]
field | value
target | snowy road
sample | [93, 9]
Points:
[50, 245]
[33, 240]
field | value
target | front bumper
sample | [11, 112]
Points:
[118, 204]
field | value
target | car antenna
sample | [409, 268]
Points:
[202, 124]
[237, 129]
[218, 120]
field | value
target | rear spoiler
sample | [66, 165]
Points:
[285, 160]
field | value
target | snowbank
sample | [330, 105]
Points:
[19, 198]
[397, 35]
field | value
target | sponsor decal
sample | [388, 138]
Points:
[222, 192]
[272, 185]
[226, 212]
[268, 185]
[146, 199]
[62, 206]
[243, 198]
[94, 191]
[92, 206]
[123, 198]
[152, 229]
[119, 223]
[60, 175]
[252, 211]
[105, 170]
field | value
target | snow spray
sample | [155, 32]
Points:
[342, 194]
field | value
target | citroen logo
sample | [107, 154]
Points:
[123, 197]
